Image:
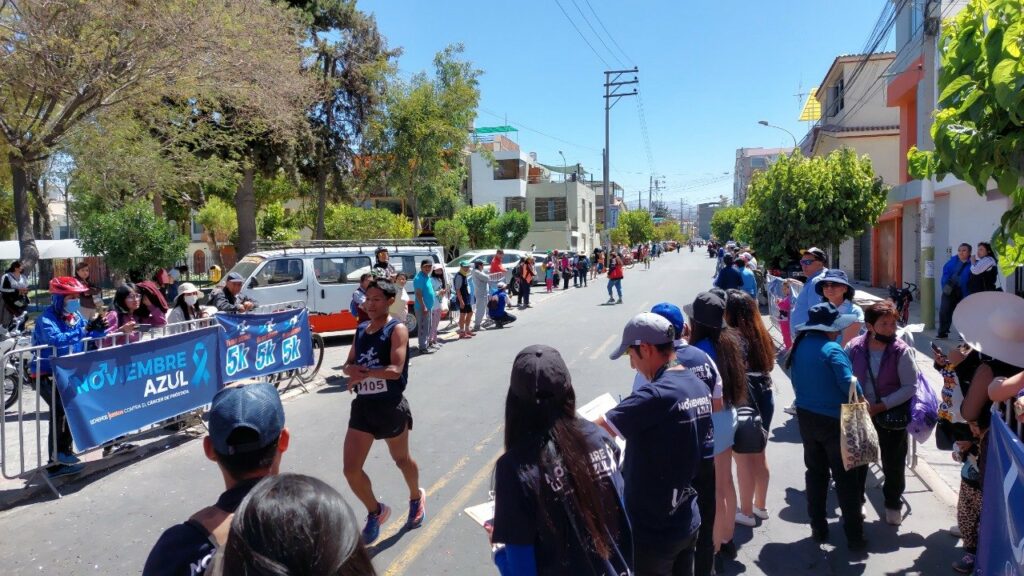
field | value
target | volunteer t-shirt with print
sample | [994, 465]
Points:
[186, 549]
[374, 351]
[667, 427]
[697, 361]
[519, 518]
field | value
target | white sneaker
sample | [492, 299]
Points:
[791, 409]
[893, 517]
[744, 520]
[761, 513]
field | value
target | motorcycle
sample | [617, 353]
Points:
[15, 369]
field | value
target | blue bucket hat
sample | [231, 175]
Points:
[824, 317]
[836, 276]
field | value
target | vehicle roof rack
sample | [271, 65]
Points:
[322, 246]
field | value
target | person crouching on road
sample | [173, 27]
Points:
[557, 488]
[247, 440]
[821, 374]
[885, 367]
[378, 371]
[497, 307]
[667, 423]
[62, 327]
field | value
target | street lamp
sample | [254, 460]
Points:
[765, 123]
[568, 221]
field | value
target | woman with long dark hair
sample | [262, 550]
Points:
[293, 524]
[984, 271]
[152, 305]
[121, 325]
[186, 308]
[742, 314]
[557, 489]
[710, 333]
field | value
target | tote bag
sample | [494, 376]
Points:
[857, 437]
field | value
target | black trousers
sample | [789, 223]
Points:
[822, 457]
[663, 557]
[59, 422]
[704, 484]
[946, 307]
[565, 281]
[893, 446]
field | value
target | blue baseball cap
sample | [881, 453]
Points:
[256, 406]
[673, 314]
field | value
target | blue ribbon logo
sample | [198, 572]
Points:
[199, 357]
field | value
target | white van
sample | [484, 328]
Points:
[324, 274]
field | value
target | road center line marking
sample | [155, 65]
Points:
[396, 526]
[600, 349]
[432, 528]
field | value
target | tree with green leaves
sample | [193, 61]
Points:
[638, 226]
[272, 223]
[347, 222]
[979, 125]
[451, 233]
[724, 221]
[417, 146]
[510, 228]
[350, 66]
[132, 240]
[477, 220]
[66, 62]
[220, 221]
[801, 202]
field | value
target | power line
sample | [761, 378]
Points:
[535, 131]
[592, 29]
[610, 37]
[643, 131]
[576, 28]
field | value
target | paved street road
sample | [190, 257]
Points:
[106, 525]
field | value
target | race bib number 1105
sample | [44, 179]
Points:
[372, 386]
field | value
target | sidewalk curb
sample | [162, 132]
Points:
[16, 497]
[936, 484]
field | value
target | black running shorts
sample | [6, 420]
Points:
[381, 419]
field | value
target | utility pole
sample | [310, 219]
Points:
[612, 94]
[927, 257]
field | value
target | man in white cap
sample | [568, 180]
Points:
[667, 423]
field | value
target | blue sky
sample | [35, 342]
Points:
[708, 72]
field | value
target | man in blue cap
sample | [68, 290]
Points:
[247, 440]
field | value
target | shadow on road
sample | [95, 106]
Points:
[788, 433]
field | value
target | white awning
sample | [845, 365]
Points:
[48, 249]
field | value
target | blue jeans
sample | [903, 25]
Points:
[617, 284]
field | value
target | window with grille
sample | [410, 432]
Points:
[515, 203]
[549, 210]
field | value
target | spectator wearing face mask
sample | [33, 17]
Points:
[186, 308]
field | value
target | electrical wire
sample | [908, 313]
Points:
[584, 38]
[610, 37]
[599, 37]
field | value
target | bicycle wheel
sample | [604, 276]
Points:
[11, 390]
[307, 374]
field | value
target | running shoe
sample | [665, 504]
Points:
[791, 409]
[611, 300]
[761, 513]
[426, 350]
[965, 565]
[893, 517]
[373, 523]
[65, 470]
[120, 448]
[619, 301]
[417, 511]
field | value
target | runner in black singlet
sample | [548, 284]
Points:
[378, 370]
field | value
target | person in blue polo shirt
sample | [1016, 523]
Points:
[667, 424]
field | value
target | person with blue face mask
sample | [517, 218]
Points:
[63, 327]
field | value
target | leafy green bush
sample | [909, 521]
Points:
[132, 239]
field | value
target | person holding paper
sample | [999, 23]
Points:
[667, 425]
[557, 488]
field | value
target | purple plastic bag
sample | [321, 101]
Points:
[924, 410]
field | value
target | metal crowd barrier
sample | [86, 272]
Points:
[278, 307]
[1008, 414]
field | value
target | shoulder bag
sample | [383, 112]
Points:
[953, 284]
[750, 437]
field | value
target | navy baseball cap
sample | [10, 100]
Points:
[234, 277]
[673, 314]
[256, 406]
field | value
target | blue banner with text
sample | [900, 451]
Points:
[260, 344]
[1001, 544]
[110, 392]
